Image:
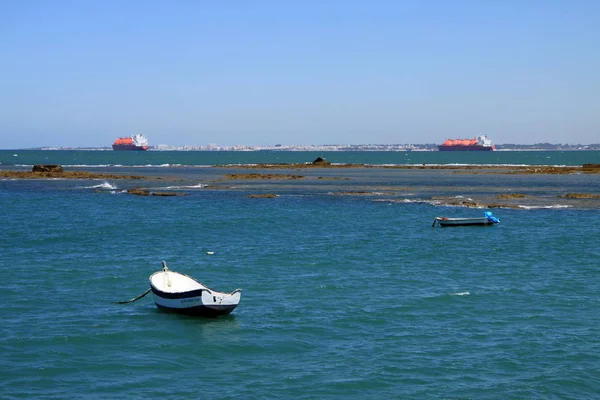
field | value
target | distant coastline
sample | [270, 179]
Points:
[337, 147]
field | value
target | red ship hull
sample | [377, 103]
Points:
[137, 142]
[465, 148]
[129, 147]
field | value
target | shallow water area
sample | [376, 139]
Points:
[348, 291]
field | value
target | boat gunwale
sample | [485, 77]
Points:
[186, 293]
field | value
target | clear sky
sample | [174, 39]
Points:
[83, 72]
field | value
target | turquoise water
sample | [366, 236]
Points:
[344, 296]
[158, 158]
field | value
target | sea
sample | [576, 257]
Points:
[348, 291]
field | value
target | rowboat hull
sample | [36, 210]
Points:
[442, 221]
[179, 293]
[487, 219]
[207, 305]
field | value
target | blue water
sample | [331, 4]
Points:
[158, 158]
[344, 296]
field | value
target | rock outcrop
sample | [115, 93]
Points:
[591, 167]
[145, 192]
[261, 176]
[138, 191]
[47, 168]
[168, 194]
[510, 196]
[321, 161]
[580, 196]
[57, 171]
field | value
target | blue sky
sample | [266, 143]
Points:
[81, 73]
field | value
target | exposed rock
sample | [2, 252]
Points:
[298, 166]
[216, 187]
[263, 176]
[332, 178]
[47, 168]
[466, 203]
[361, 193]
[138, 191]
[321, 161]
[500, 205]
[580, 196]
[473, 204]
[168, 194]
[510, 196]
[145, 192]
[546, 170]
[66, 175]
[591, 167]
[459, 169]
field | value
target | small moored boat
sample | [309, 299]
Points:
[177, 292]
[487, 219]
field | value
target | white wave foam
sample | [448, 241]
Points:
[91, 166]
[198, 186]
[554, 206]
[102, 186]
[421, 201]
[460, 294]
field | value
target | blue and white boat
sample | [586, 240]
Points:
[487, 219]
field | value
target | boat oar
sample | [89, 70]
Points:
[135, 298]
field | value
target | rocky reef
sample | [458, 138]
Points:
[145, 192]
[53, 171]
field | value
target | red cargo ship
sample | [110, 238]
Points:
[481, 143]
[137, 142]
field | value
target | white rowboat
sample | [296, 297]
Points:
[177, 292]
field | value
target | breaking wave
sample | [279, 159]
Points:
[553, 206]
[198, 186]
[102, 186]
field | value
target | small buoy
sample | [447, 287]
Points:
[210, 253]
